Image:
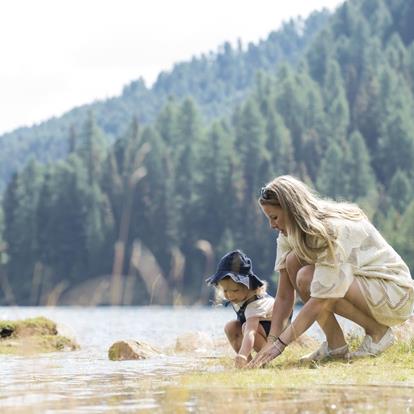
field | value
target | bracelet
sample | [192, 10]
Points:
[283, 343]
[279, 346]
[274, 338]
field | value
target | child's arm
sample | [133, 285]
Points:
[249, 335]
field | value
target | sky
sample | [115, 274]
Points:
[58, 54]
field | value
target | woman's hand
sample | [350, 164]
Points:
[267, 354]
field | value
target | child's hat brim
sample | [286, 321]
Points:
[251, 281]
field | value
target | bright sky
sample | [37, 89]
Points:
[57, 54]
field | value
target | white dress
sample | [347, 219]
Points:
[361, 254]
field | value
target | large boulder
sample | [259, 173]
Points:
[31, 336]
[130, 350]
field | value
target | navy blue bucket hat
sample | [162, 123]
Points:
[238, 266]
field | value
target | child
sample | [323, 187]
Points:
[253, 306]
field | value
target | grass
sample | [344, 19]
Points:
[393, 367]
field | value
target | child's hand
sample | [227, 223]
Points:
[269, 352]
[240, 361]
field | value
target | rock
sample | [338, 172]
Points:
[31, 336]
[194, 341]
[130, 349]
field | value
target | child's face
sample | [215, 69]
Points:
[277, 218]
[234, 292]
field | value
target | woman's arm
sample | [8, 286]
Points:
[283, 306]
[306, 317]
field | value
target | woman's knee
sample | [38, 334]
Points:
[292, 267]
[304, 279]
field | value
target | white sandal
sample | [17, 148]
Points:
[370, 348]
[325, 353]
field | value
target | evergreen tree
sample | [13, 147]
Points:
[405, 236]
[336, 105]
[332, 180]
[185, 167]
[279, 157]
[359, 172]
[20, 204]
[400, 191]
[92, 147]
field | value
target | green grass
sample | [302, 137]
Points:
[395, 367]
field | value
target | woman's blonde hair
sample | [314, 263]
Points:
[309, 230]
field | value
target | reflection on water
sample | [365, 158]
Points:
[85, 381]
[330, 399]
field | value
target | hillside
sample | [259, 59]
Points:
[216, 81]
[167, 198]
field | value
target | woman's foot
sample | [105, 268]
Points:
[325, 353]
[371, 348]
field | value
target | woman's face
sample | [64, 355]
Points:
[277, 217]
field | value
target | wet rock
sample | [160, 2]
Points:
[194, 341]
[31, 336]
[130, 349]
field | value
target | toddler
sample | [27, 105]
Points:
[247, 294]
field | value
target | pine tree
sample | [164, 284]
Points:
[400, 191]
[359, 172]
[332, 180]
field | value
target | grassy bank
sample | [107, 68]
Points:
[394, 367]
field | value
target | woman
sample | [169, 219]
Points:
[335, 259]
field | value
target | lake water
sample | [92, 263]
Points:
[86, 381]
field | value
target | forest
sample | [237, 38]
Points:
[144, 209]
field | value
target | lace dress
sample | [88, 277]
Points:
[362, 254]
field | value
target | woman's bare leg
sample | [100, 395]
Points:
[327, 320]
[353, 306]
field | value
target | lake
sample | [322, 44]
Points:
[86, 381]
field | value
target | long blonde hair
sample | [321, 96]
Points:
[309, 230]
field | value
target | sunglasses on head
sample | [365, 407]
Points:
[267, 194]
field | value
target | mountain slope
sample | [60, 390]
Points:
[216, 82]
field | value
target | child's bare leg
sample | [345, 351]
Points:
[233, 331]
